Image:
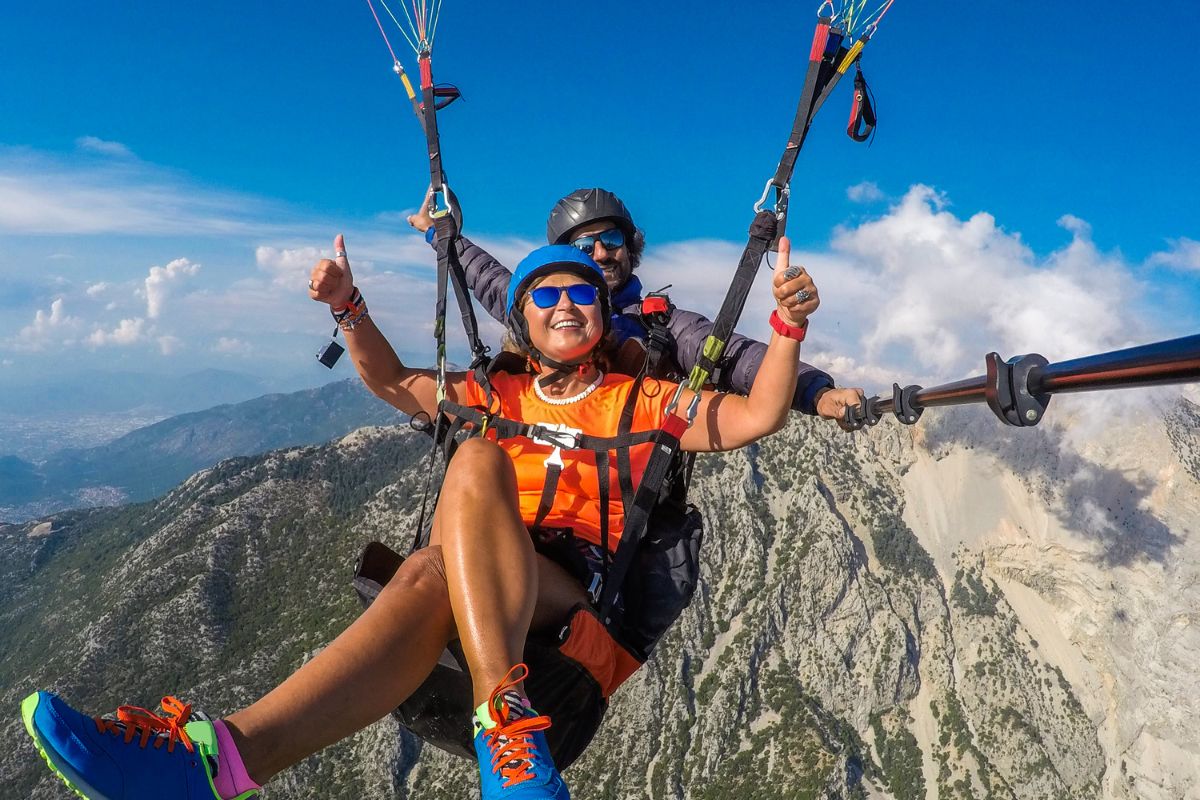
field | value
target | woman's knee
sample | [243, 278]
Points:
[422, 571]
[480, 467]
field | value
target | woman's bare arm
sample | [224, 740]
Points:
[413, 391]
[729, 421]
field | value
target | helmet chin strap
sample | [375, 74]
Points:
[561, 368]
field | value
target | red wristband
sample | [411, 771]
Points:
[796, 332]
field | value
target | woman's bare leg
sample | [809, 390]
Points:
[368, 670]
[491, 568]
[380, 660]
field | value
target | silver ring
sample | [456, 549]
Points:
[802, 295]
[339, 254]
[311, 288]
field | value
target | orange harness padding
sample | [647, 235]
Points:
[576, 503]
[590, 644]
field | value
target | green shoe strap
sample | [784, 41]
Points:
[483, 719]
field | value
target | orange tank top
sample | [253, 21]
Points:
[577, 501]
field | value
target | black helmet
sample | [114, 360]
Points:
[583, 206]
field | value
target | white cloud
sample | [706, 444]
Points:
[127, 332]
[96, 288]
[920, 294]
[44, 194]
[955, 289]
[290, 266]
[169, 345]
[865, 192]
[161, 280]
[230, 344]
[1183, 254]
[48, 325]
[106, 148]
[1075, 225]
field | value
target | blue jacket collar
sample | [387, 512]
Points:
[628, 294]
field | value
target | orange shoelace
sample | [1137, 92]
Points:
[131, 720]
[511, 741]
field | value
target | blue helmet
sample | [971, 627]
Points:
[550, 259]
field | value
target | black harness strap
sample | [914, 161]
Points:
[828, 61]
[510, 429]
[554, 467]
[447, 254]
[762, 233]
[637, 517]
[804, 110]
[862, 112]
[603, 487]
[624, 466]
[429, 108]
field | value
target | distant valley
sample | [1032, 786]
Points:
[148, 461]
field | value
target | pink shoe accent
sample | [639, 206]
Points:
[231, 779]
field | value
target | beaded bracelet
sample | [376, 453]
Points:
[354, 312]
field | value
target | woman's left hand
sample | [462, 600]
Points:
[795, 292]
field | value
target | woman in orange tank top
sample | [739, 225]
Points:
[480, 581]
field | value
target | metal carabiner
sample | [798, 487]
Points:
[451, 205]
[762, 201]
[693, 407]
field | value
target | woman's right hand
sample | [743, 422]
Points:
[331, 280]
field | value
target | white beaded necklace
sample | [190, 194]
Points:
[566, 401]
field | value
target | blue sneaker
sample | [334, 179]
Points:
[514, 758]
[134, 755]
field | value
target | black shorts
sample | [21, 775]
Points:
[583, 561]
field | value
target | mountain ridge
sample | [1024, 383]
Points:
[865, 625]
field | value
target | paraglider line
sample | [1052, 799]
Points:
[382, 32]
[411, 43]
[437, 14]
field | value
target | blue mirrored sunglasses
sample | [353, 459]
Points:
[611, 239]
[581, 294]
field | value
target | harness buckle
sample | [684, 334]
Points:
[557, 435]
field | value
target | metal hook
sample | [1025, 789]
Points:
[762, 201]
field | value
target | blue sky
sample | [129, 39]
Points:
[225, 144]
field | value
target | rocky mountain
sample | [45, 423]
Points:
[953, 610]
[148, 461]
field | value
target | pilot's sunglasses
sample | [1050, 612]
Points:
[581, 294]
[611, 239]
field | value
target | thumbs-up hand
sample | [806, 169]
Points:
[331, 280]
[795, 291]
